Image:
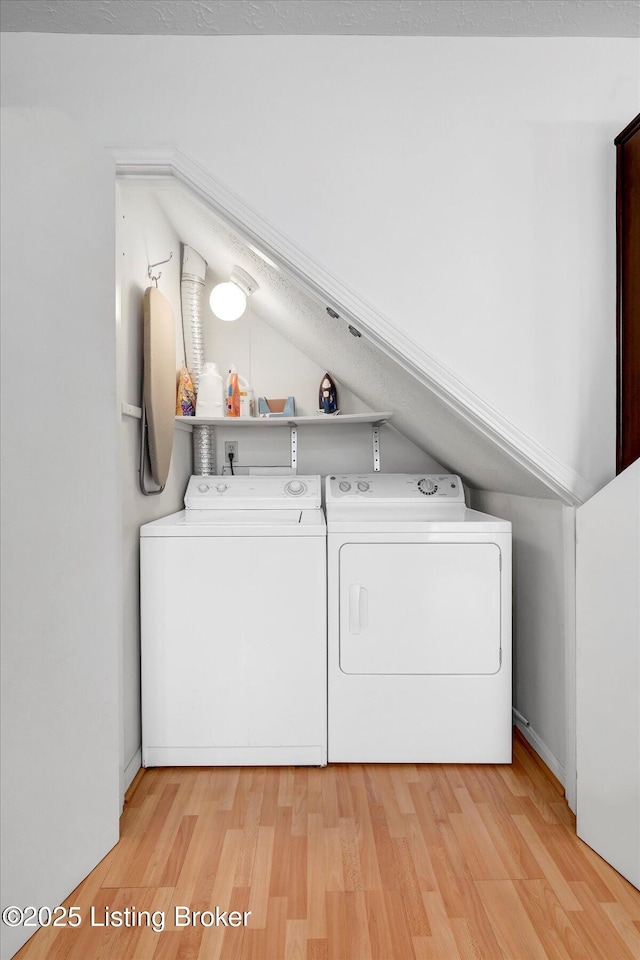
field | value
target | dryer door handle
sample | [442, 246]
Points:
[358, 608]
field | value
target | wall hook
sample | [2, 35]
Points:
[158, 264]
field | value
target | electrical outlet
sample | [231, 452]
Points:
[231, 447]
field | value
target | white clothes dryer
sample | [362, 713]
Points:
[233, 607]
[419, 623]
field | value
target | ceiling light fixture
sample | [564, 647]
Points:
[228, 300]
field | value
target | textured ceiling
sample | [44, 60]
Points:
[375, 378]
[482, 18]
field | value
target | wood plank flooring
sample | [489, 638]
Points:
[353, 862]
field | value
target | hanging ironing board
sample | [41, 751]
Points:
[159, 387]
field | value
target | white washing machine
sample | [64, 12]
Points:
[233, 606]
[419, 629]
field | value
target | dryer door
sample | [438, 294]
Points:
[420, 608]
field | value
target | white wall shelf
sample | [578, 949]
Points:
[374, 418]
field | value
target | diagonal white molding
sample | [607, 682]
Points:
[166, 162]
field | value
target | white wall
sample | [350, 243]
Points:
[327, 448]
[60, 539]
[542, 618]
[276, 368]
[464, 186]
[143, 236]
[608, 672]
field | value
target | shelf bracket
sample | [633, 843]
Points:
[375, 434]
[294, 449]
[144, 455]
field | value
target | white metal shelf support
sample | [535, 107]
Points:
[130, 410]
[375, 434]
[375, 419]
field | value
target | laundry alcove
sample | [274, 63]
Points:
[166, 200]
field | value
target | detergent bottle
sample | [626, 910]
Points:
[210, 402]
[247, 398]
[233, 392]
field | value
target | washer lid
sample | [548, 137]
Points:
[243, 517]
[238, 523]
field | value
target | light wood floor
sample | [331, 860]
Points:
[351, 862]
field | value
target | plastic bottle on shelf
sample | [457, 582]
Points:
[247, 398]
[233, 392]
[210, 400]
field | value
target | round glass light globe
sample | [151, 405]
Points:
[227, 301]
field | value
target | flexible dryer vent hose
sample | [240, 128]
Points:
[192, 298]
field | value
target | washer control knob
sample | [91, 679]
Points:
[427, 486]
[295, 488]
[363, 486]
[345, 486]
[222, 487]
[203, 487]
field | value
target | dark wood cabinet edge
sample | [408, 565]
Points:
[628, 132]
[619, 195]
[623, 138]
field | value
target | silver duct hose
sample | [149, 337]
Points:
[204, 451]
[192, 297]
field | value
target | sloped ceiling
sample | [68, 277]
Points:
[436, 18]
[366, 369]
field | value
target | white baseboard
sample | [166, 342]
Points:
[131, 769]
[540, 747]
[569, 550]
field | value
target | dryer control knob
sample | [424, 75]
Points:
[427, 486]
[345, 486]
[363, 486]
[203, 487]
[295, 488]
[221, 487]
